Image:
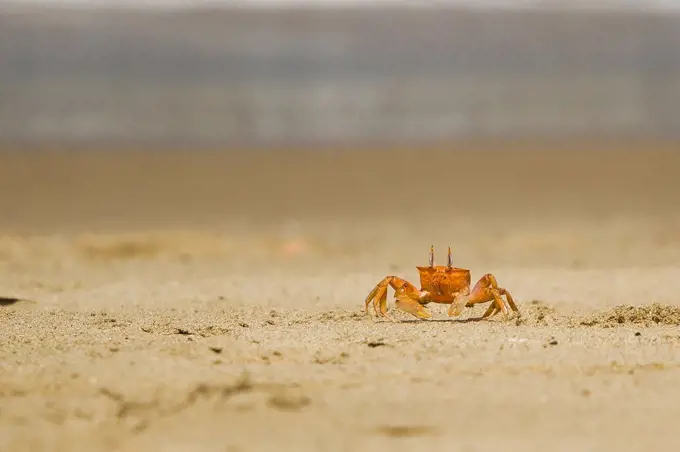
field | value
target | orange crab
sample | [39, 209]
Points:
[441, 284]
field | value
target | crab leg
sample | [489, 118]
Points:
[407, 295]
[493, 308]
[486, 289]
[492, 311]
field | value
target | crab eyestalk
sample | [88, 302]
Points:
[432, 256]
[449, 262]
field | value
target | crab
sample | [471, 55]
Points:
[444, 285]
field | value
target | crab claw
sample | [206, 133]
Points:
[410, 305]
[458, 305]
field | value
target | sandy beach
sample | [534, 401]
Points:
[214, 301]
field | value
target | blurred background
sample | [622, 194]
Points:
[256, 73]
[522, 116]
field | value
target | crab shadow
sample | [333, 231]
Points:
[467, 320]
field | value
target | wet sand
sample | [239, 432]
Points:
[214, 301]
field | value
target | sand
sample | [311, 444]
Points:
[214, 301]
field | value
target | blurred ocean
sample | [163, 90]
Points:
[222, 75]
